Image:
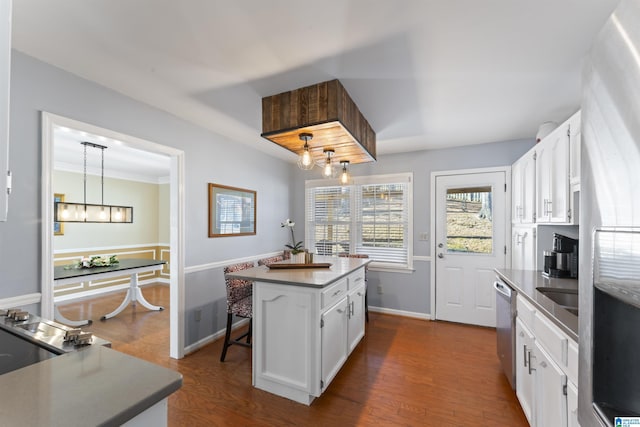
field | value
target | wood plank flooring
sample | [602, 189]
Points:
[405, 372]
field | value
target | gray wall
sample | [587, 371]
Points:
[411, 292]
[36, 87]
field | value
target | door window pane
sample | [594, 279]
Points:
[469, 220]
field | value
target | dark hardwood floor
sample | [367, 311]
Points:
[405, 372]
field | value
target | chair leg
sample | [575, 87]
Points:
[227, 337]
[249, 334]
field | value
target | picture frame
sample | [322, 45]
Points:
[58, 227]
[232, 211]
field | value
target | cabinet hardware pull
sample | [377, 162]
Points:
[530, 368]
[336, 292]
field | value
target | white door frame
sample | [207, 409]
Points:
[176, 220]
[432, 257]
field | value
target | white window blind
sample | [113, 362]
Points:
[372, 217]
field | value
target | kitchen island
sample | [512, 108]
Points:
[96, 386]
[306, 322]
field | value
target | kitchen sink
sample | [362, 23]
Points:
[567, 298]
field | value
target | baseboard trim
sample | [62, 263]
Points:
[211, 338]
[403, 313]
[21, 300]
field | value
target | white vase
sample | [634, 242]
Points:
[297, 258]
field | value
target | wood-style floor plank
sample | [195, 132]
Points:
[405, 372]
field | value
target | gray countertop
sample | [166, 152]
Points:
[96, 386]
[310, 277]
[525, 283]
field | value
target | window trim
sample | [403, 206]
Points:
[406, 177]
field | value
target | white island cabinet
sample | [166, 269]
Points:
[306, 322]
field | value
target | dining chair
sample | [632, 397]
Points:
[366, 301]
[239, 303]
[271, 260]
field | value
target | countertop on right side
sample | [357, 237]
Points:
[525, 283]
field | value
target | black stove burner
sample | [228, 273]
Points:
[16, 353]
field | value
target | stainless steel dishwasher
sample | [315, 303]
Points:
[505, 328]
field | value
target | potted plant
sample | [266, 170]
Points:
[296, 248]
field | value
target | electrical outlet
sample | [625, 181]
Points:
[198, 315]
[380, 289]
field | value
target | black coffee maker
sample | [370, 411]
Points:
[562, 261]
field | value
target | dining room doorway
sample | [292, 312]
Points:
[53, 125]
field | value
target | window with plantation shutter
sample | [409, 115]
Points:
[372, 216]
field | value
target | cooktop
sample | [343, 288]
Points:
[16, 353]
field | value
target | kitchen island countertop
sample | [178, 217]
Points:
[95, 386]
[525, 283]
[308, 277]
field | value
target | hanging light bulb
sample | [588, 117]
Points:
[65, 212]
[345, 178]
[305, 161]
[328, 170]
[118, 216]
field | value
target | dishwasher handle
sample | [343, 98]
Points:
[502, 288]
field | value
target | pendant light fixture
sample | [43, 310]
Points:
[345, 178]
[305, 160]
[328, 171]
[83, 212]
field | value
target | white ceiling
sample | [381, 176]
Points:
[425, 73]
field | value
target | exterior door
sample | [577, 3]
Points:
[470, 239]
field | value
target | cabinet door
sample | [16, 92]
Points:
[516, 192]
[575, 136]
[523, 176]
[559, 193]
[5, 68]
[523, 248]
[551, 400]
[356, 317]
[572, 405]
[543, 181]
[529, 188]
[525, 380]
[334, 332]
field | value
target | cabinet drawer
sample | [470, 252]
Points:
[551, 338]
[356, 279]
[526, 311]
[572, 362]
[334, 293]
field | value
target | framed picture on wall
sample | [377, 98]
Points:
[232, 211]
[58, 227]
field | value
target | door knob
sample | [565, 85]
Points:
[440, 255]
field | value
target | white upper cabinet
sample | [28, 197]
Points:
[523, 181]
[5, 69]
[575, 137]
[553, 203]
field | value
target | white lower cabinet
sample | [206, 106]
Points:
[525, 385]
[334, 331]
[546, 370]
[572, 405]
[356, 316]
[551, 388]
[523, 247]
